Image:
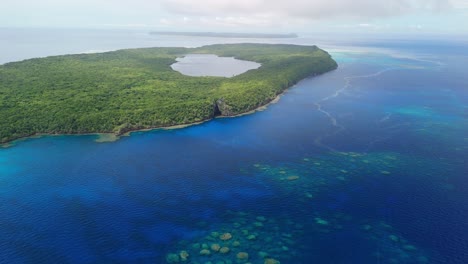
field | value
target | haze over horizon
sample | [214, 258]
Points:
[361, 16]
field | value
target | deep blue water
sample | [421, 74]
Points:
[365, 164]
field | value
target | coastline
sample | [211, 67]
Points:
[105, 137]
[128, 133]
[308, 61]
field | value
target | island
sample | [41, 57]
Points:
[224, 34]
[133, 89]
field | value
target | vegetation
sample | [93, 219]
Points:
[134, 89]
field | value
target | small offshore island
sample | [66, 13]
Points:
[126, 90]
[223, 34]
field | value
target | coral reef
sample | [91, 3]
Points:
[224, 250]
[225, 236]
[271, 261]
[247, 237]
[242, 256]
[243, 240]
[184, 255]
[215, 247]
[205, 252]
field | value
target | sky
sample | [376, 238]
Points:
[275, 16]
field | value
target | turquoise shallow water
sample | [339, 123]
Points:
[366, 164]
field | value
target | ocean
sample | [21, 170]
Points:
[364, 164]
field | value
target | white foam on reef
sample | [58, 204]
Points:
[348, 83]
[424, 58]
[385, 118]
[332, 118]
[390, 131]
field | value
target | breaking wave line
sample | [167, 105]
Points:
[333, 119]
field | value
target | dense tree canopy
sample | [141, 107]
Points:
[136, 88]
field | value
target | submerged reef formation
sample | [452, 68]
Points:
[311, 176]
[301, 229]
[282, 240]
[393, 247]
[245, 238]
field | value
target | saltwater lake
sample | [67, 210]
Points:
[212, 65]
[365, 164]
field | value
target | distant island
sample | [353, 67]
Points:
[224, 35]
[126, 90]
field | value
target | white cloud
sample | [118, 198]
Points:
[218, 22]
[459, 3]
[286, 13]
[365, 26]
[415, 27]
[306, 9]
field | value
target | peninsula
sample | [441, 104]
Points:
[126, 90]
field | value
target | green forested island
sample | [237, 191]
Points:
[120, 91]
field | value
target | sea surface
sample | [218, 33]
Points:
[364, 164]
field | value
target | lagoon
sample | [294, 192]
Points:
[212, 65]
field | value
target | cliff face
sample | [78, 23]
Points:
[221, 108]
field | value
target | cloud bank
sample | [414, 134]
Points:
[245, 15]
[295, 13]
[305, 9]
